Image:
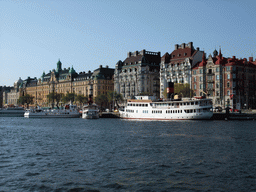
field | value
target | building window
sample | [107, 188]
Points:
[217, 85]
[201, 71]
[228, 84]
[217, 69]
[228, 93]
[194, 79]
[194, 72]
[201, 86]
[217, 77]
[195, 86]
[201, 78]
[217, 93]
[228, 76]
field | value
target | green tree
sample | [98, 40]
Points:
[68, 97]
[101, 100]
[117, 97]
[165, 93]
[183, 89]
[26, 99]
[81, 99]
[54, 98]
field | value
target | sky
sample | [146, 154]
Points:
[35, 34]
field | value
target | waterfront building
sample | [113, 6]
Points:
[67, 80]
[227, 81]
[176, 66]
[3, 95]
[138, 74]
[13, 94]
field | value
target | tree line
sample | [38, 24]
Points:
[103, 100]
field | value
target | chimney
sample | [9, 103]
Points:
[100, 66]
[251, 59]
[197, 48]
[183, 46]
[190, 44]
[176, 46]
[136, 53]
[234, 57]
[107, 66]
[129, 54]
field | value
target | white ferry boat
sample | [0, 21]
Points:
[168, 110]
[70, 111]
[12, 112]
[90, 111]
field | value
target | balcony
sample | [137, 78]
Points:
[210, 81]
[210, 89]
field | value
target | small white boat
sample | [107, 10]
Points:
[12, 112]
[90, 111]
[186, 109]
[70, 111]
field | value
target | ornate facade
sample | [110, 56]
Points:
[138, 74]
[176, 66]
[68, 81]
[227, 81]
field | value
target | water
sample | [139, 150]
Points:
[121, 155]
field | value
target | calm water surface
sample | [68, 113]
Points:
[121, 155]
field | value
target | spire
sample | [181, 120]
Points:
[203, 57]
[59, 66]
[203, 62]
[220, 55]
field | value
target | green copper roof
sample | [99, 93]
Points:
[72, 70]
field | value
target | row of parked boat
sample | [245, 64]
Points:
[135, 109]
[89, 111]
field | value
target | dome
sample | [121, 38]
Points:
[72, 70]
[18, 82]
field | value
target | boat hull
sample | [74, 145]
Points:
[189, 109]
[52, 116]
[205, 116]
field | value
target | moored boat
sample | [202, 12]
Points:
[70, 111]
[90, 111]
[12, 112]
[185, 109]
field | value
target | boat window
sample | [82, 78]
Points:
[136, 105]
[196, 103]
[146, 105]
[192, 103]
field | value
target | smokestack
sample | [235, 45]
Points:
[170, 90]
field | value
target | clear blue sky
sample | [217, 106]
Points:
[35, 34]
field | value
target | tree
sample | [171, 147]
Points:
[183, 89]
[117, 97]
[81, 99]
[165, 93]
[101, 100]
[26, 99]
[68, 97]
[54, 97]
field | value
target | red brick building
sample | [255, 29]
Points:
[227, 81]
